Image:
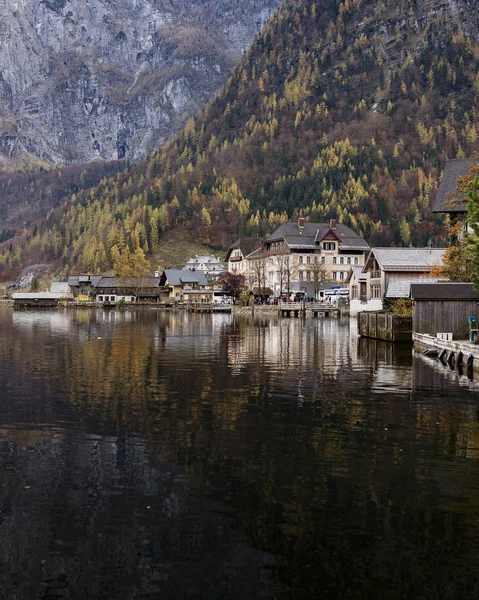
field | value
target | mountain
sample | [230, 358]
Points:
[87, 79]
[346, 109]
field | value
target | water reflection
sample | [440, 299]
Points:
[147, 454]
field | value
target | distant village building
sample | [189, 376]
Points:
[132, 289]
[210, 265]
[389, 273]
[306, 257]
[237, 253]
[186, 285]
[58, 291]
[106, 289]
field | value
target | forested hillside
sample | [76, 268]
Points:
[345, 109]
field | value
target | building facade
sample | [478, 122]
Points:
[389, 273]
[306, 257]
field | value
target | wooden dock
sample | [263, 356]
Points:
[208, 308]
[308, 310]
[456, 353]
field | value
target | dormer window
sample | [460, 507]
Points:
[329, 245]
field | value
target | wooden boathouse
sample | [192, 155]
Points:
[441, 313]
[444, 307]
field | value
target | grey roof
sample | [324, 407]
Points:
[407, 259]
[311, 235]
[182, 276]
[448, 200]
[444, 291]
[74, 280]
[131, 282]
[400, 287]
[245, 244]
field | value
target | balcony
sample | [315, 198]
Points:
[375, 274]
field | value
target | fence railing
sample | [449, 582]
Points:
[307, 306]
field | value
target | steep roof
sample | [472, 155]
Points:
[448, 200]
[76, 280]
[182, 276]
[309, 236]
[400, 287]
[406, 259]
[245, 244]
[444, 291]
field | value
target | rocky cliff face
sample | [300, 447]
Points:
[104, 79]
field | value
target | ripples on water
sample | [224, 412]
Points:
[166, 455]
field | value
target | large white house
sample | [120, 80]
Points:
[306, 256]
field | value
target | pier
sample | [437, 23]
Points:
[455, 353]
[310, 309]
[207, 308]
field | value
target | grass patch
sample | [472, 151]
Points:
[177, 246]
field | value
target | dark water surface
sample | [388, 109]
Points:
[162, 455]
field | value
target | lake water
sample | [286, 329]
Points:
[149, 454]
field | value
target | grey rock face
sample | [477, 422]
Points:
[104, 79]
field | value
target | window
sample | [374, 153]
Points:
[324, 259]
[341, 260]
[308, 275]
[329, 245]
[301, 275]
[100, 298]
[334, 260]
[341, 275]
[335, 275]
[375, 291]
[308, 260]
[300, 260]
[349, 260]
[354, 292]
[356, 260]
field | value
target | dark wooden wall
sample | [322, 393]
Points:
[444, 316]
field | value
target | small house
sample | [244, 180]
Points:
[237, 253]
[186, 285]
[389, 273]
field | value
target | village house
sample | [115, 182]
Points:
[131, 289]
[187, 286]
[211, 266]
[307, 256]
[102, 288]
[237, 253]
[389, 273]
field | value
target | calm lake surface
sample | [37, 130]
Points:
[148, 454]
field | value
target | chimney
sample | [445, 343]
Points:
[332, 224]
[301, 222]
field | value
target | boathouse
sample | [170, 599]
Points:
[444, 308]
